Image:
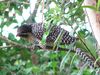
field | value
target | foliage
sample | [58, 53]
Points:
[21, 61]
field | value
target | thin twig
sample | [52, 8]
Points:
[42, 12]
[33, 15]
[12, 43]
[14, 1]
[8, 46]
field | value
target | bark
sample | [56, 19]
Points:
[94, 19]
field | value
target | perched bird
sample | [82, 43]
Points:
[34, 33]
[31, 32]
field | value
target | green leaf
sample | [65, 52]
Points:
[89, 42]
[6, 14]
[11, 36]
[91, 7]
[18, 12]
[26, 6]
[28, 70]
[64, 60]
[35, 69]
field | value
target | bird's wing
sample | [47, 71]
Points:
[37, 30]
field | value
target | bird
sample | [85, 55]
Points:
[34, 33]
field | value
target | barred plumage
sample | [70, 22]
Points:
[85, 57]
[55, 31]
[37, 31]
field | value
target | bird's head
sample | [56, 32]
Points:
[25, 31]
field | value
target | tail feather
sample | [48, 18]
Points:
[85, 57]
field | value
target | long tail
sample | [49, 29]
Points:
[86, 58]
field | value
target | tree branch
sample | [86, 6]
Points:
[14, 1]
[12, 43]
[33, 15]
[94, 18]
[8, 46]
